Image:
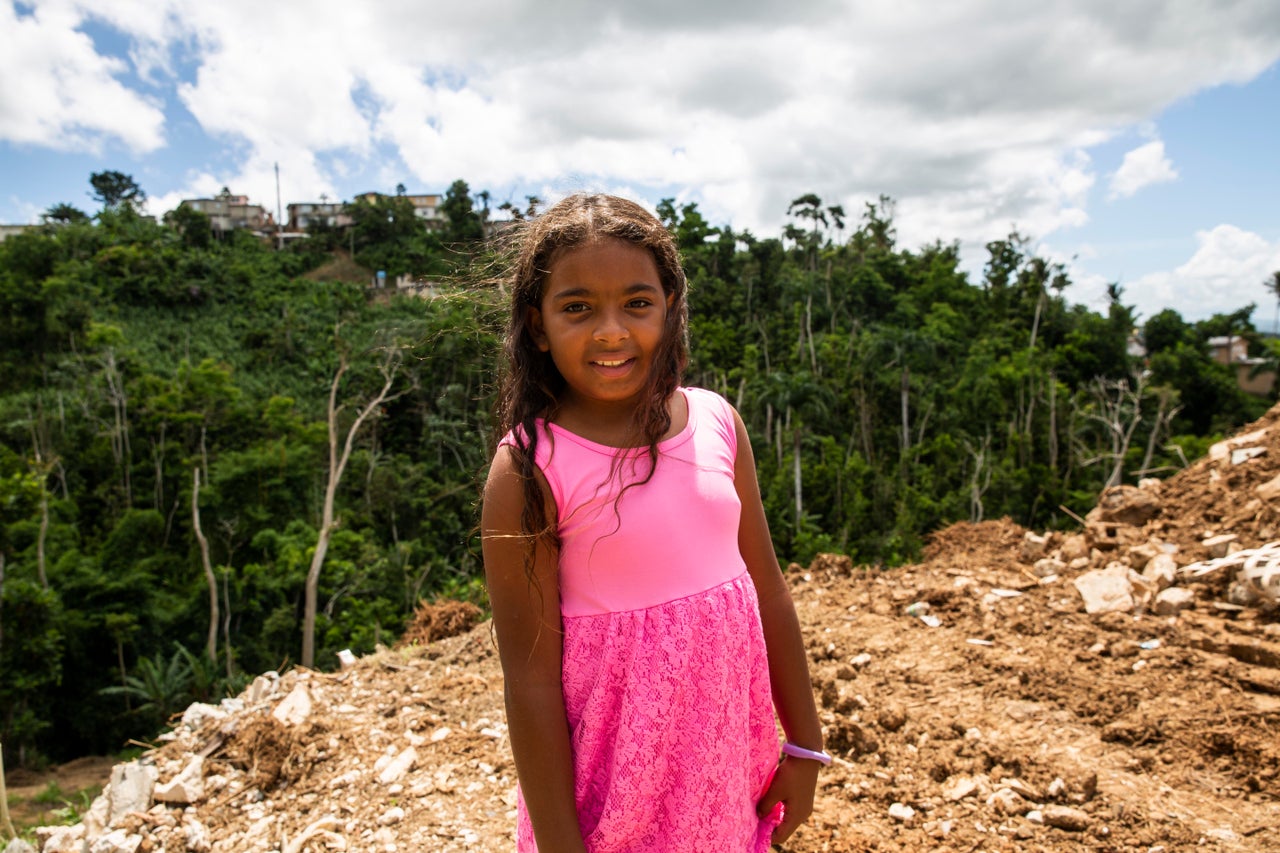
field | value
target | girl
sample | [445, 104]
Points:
[642, 620]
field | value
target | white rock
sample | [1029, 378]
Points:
[346, 658]
[1224, 836]
[262, 688]
[17, 845]
[1174, 600]
[116, 841]
[186, 787]
[131, 786]
[1007, 801]
[958, 787]
[399, 766]
[1217, 546]
[901, 812]
[1161, 570]
[1106, 590]
[1048, 566]
[196, 836]
[294, 708]
[61, 839]
[199, 713]
[391, 816]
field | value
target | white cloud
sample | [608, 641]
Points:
[975, 115]
[1226, 273]
[69, 96]
[1142, 167]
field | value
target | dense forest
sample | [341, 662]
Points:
[220, 457]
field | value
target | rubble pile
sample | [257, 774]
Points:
[1114, 687]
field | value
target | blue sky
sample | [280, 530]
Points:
[1132, 142]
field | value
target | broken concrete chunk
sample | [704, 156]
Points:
[130, 789]
[295, 707]
[1140, 555]
[1217, 546]
[1048, 566]
[1106, 590]
[185, 788]
[1033, 546]
[399, 766]
[1270, 490]
[1074, 547]
[1161, 571]
[1174, 600]
[958, 788]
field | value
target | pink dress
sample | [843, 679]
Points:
[666, 680]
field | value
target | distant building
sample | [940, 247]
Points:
[1233, 351]
[229, 212]
[303, 214]
[7, 231]
[1228, 350]
[426, 206]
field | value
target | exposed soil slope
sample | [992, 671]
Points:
[971, 700]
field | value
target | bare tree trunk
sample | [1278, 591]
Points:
[211, 643]
[120, 409]
[42, 536]
[1053, 422]
[981, 479]
[337, 464]
[904, 394]
[1119, 416]
[796, 469]
[1164, 414]
[5, 822]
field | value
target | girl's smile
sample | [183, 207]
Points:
[602, 315]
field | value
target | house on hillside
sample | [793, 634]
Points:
[1233, 351]
[304, 214]
[7, 231]
[426, 206]
[229, 212]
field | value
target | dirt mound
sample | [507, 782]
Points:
[341, 267]
[1112, 688]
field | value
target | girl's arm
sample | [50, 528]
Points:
[526, 617]
[796, 780]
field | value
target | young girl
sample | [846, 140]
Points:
[645, 629]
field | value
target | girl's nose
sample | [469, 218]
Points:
[610, 328]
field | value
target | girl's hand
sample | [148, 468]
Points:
[793, 785]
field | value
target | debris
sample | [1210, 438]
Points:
[1065, 817]
[1106, 590]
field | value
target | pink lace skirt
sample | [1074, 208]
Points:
[673, 729]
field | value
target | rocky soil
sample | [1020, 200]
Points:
[1115, 688]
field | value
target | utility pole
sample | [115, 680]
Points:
[279, 236]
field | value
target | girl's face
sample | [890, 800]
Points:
[601, 318]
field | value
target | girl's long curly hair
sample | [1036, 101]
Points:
[531, 386]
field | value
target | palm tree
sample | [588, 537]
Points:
[1273, 287]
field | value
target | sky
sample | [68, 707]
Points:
[1133, 142]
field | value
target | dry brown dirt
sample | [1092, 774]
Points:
[1018, 721]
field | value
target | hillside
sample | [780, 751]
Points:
[971, 700]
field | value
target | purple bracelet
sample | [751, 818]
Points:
[794, 751]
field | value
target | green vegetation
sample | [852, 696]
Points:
[172, 406]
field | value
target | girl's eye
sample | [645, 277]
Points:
[639, 303]
[575, 308]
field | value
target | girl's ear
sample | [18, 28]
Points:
[536, 331]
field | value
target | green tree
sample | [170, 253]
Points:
[64, 214]
[116, 190]
[463, 225]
